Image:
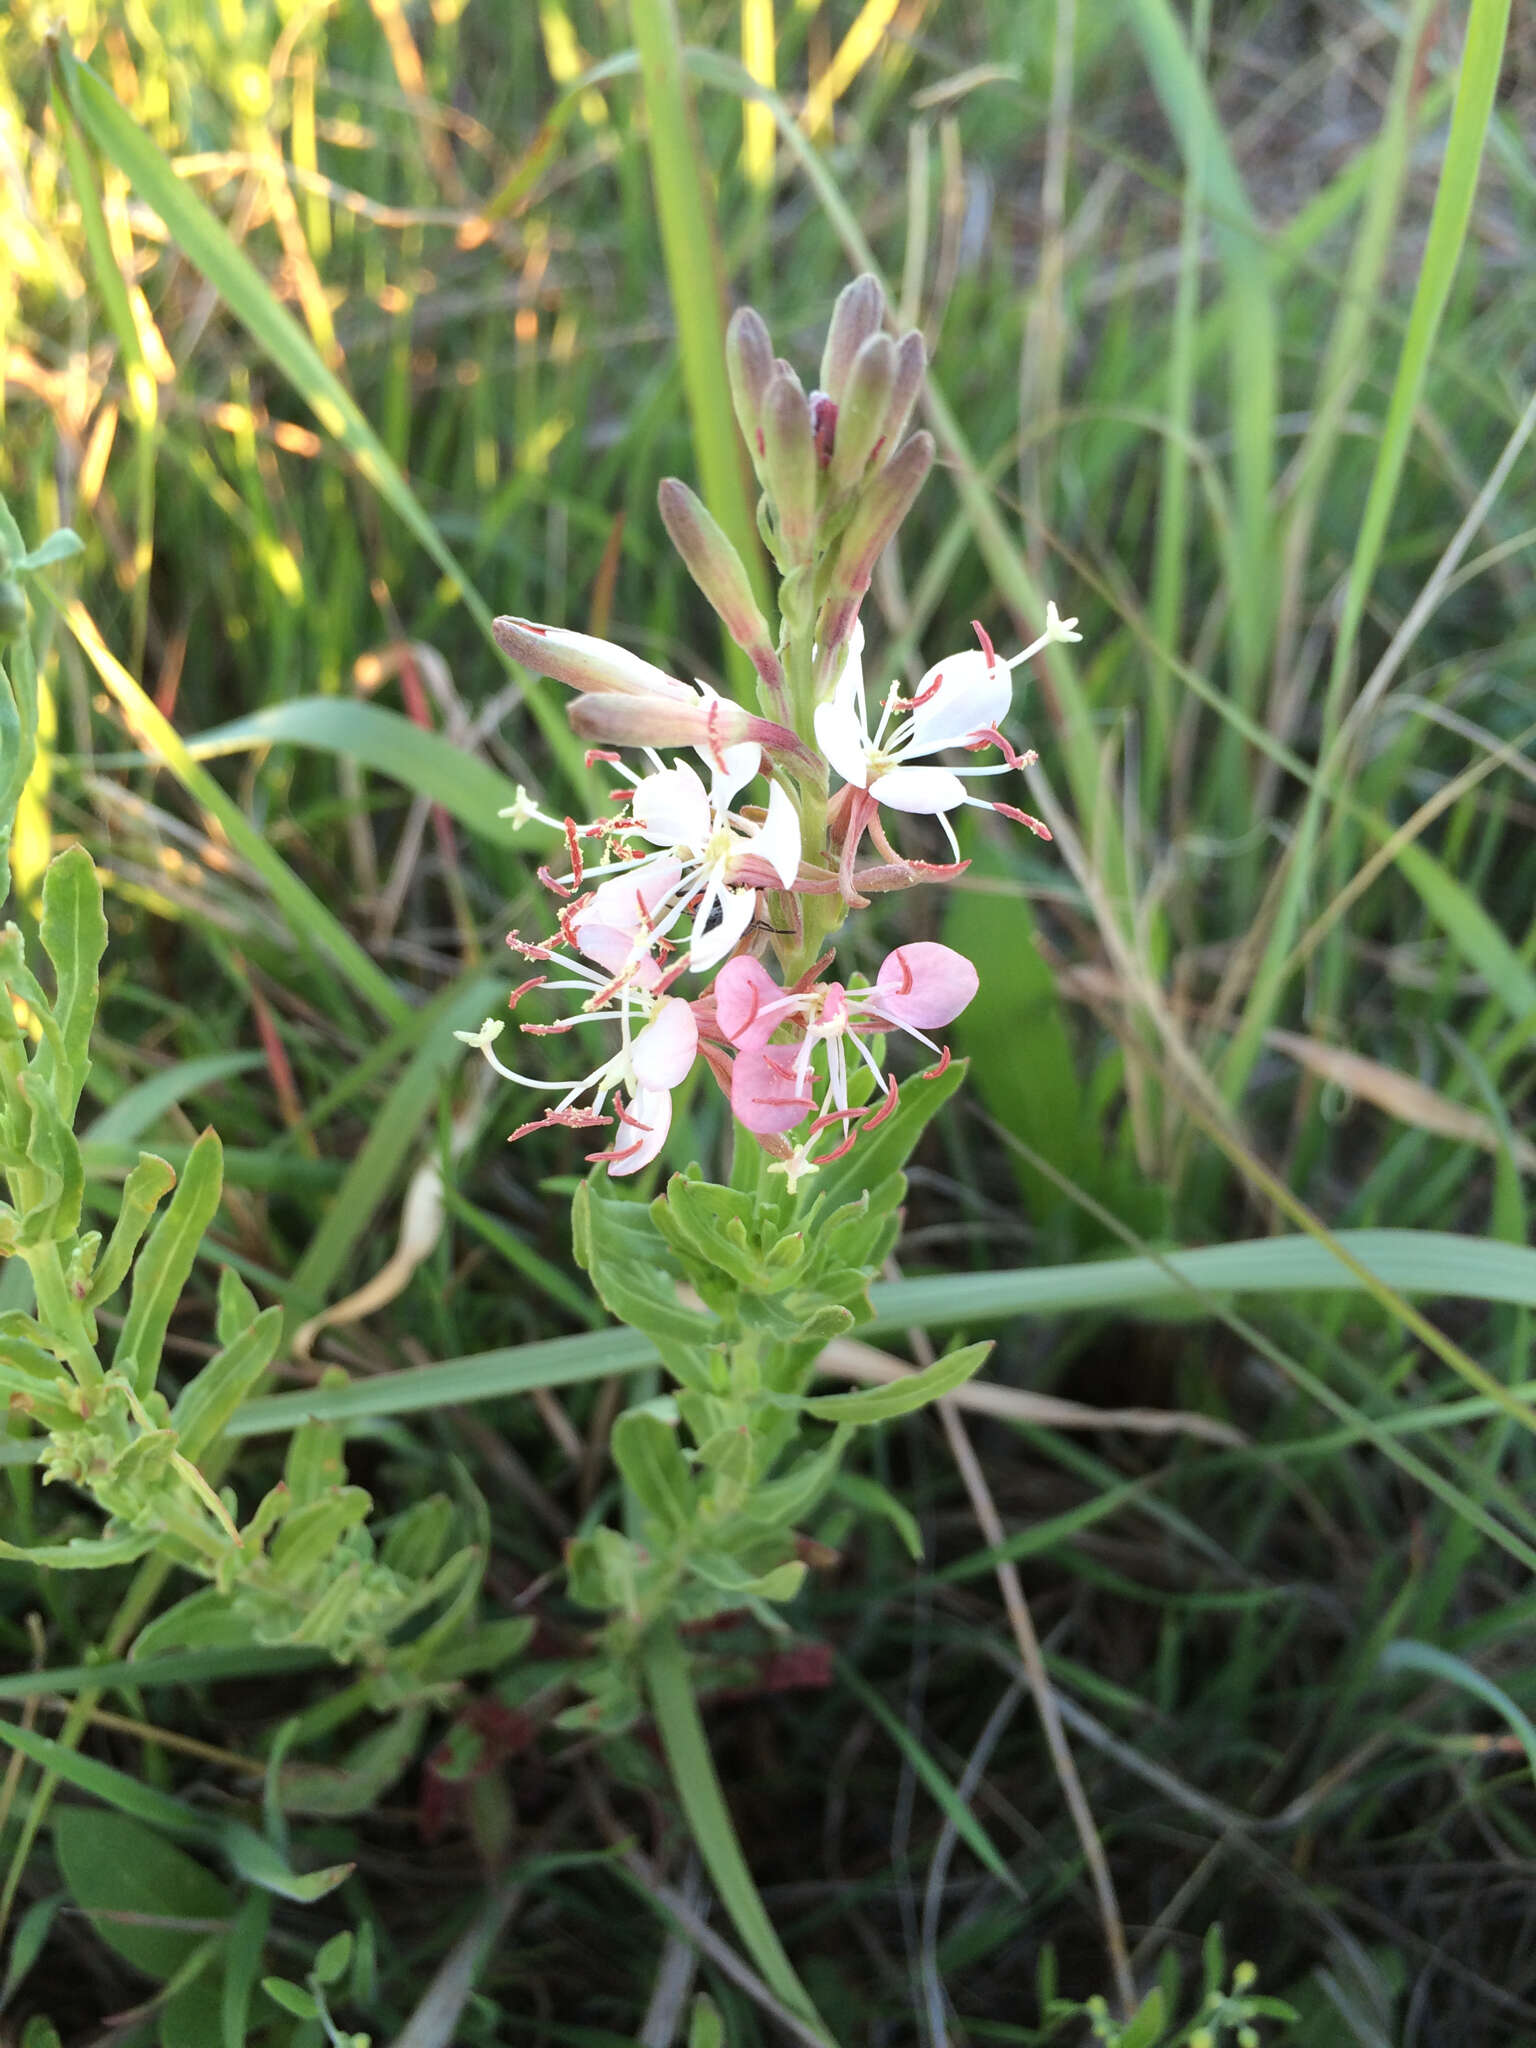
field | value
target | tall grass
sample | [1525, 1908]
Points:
[332, 334]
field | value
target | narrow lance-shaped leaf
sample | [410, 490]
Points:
[646, 1451]
[208, 1401]
[74, 935]
[146, 1187]
[166, 1262]
[901, 1397]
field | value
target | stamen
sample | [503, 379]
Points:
[1019, 818]
[986, 644]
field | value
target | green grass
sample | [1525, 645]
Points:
[1280, 350]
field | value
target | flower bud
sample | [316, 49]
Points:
[709, 723]
[584, 662]
[789, 466]
[862, 412]
[858, 314]
[911, 366]
[880, 510]
[749, 366]
[712, 563]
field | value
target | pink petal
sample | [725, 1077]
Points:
[763, 1093]
[923, 985]
[969, 694]
[925, 791]
[742, 989]
[642, 1131]
[663, 1051]
[626, 901]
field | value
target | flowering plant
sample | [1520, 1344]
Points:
[693, 922]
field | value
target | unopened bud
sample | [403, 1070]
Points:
[878, 513]
[911, 367]
[709, 723]
[748, 366]
[858, 314]
[711, 561]
[585, 662]
[861, 414]
[789, 466]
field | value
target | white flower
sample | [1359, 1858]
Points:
[960, 702]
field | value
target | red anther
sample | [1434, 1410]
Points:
[784, 1072]
[1023, 818]
[989, 736]
[533, 981]
[906, 972]
[986, 643]
[596, 754]
[838, 1151]
[567, 1119]
[671, 976]
[712, 740]
[529, 948]
[933, 1073]
[574, 850]
[893, 1096]
[833, 1116]
[926, 696]
[612, 1158]
[549, 1030]
[633, 1122]
[559, 888]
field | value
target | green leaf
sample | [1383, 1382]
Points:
[870, 1497]
[901, 1397]
[82, 1553]
[147, 1185]
[364, 1775]
[706, 2029]
[142, 1105]
[74, 936]
[209, 1399]
[242, 1962]
[255, 1859]
[237, 1306]
[204, 1620]
[779, 1503]
[60, 546]
[1145, 2027]
[166, 1261]
[32, 1931]
[1407, 1655]
[116, 1865]
[52, 1149]
[333, 1958]
[112, 1787]
[618, 1245]
[291, 1997]
[720, 1570]
[646, 1451]
[884, 1151]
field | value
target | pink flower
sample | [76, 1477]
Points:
[630, 989]
[919, 988]
[960, 702]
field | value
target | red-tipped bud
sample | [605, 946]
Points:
[881, 508]
[586, 663]
[862, 411]
[709, 723]
[717, 569]
[859, 313]
[911, 367]
[748, 366]
[789, 465]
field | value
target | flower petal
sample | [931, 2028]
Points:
[708, 948]
[647, 1118]
[841, 737]
[763, 1092]
[664, 1050]
[671, 808]
[924, 791]
[923, 985]
[732, 768]
[743, 988]
[970, 693]
[777, 839]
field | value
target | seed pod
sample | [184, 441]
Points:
[858, 314]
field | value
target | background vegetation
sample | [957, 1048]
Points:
[1230, 313]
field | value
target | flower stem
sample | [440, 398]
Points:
[709, 1820]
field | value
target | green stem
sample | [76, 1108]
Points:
[709, 1820]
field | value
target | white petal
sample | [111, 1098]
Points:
[841, 737]
[664, 1050]
[925, 791]
[733, 770]
[710, 948]
[671, 808]
[777, 839]
[969, 694]
[651, 1107]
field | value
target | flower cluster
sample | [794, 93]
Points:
[683, 878]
